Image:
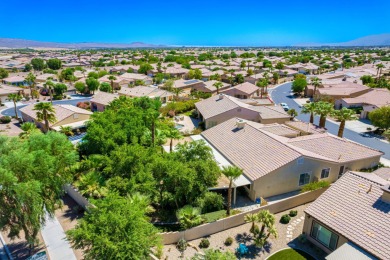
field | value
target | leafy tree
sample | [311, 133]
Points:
[105, 87]
[15, 98]
[309, 108]
[116, 228]
[144, 68]
[3, 73]
[93, 74]
[262, 84]
[59, 89]
[80, 87]
[279, 65]
[38, 64]
[54, 64]
[66, 130]
[92, 84]
[380, 117]
[173, 134]
[292, 112]
[27, 67]
[343, 115]
[323, 109]
[101, 73]
[239, 79]
[299, 85]
[232, 173]
[32, 174]
[67, 74]
[45, 113]
[367, 79]
[215, 254]
[189, 217]
[28, 129]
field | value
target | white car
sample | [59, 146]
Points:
[285, 106]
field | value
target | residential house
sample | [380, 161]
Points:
[219, 108]
[208, 87]
[276, 162]
[243, 91]
[66, 115]
[6, 90]
[188, 85]
[14, 81]
[351, 220]
[100, 100]
[143, 91]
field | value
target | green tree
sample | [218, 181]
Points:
[232, 173]
[105, 87]
[67, 74]
[38, 64]
[343, 115]
[218, 85]
[28, 129]
[198, 74]
[380, 117]
[299, 85]
[66, 130]
[45, 113]
[3, 73]
[144, 68]
[32, 174]
[116, 228]
[267, 221]
[59, 89]
[239, 79]
[366, 79]
[189, 217]
[27, 67]
[111, 78]
[323, 109]
[262, 84]
[292, 112]
[173, 134]
[54, 64]
[316, 82]
[379, 68]
[80, 87]
[309, 108]
[49, 85]
[15, 98]
[279, 65]
[92, 84]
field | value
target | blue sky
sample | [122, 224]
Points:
[197, 22]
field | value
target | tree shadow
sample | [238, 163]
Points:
[243, 238]
[20, 250]
[73, 210]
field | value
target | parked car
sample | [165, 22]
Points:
[285, 106]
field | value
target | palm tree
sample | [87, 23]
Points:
[323, 109]
[28, 128]
[316, 82]
[31, 81]
[232, 173]
[262, 84]
[252, 218]
[46, 113]
[173, 134]
[112, 78]
[50, 85]
[218, 85]
[309, 108]
[379, 68]
[177, 92]
[66, 130]
[15, 98]
[268, 223]
[343, 115]
[189, 217]
[266, 77]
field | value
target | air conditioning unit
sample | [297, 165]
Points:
[240, 123]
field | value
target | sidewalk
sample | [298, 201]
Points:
[54, 236]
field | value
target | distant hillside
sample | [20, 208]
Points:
[22, 43]
[371, 40]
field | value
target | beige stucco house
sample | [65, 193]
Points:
[66, 115]
[219, 108]
[276, 160]
[351, 220]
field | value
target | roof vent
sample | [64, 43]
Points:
[386, 193]
[240, 123]
[221, 96]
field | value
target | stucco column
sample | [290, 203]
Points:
[235, 195]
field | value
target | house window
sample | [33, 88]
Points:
[300, 161]
[324, 236]
[304, 178]
[341, 171]
[75, 116]
[325, 173]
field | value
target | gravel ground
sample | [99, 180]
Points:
[288, 234]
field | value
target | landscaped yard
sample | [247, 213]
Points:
[291, 254]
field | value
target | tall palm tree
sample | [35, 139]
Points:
[267, 221]
[112, 78]
[30, 78]
[343, 115]
[266, 78]
[50, 86]
[15, 98]
[218, 85]
[173, 134]
[46, 113]
[232, 173]
[323, 109]
[262, 84]
[379, 68]
[316, 82]
[252, 218]
[309, 108]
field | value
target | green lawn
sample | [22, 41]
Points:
[214, 216]
[290, 254]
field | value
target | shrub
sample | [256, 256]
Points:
[204, 243]
[210, 202]
[84, 105]
[285, 219]
[5, 119]
[315, 186]
[228, 241]
[293, 213]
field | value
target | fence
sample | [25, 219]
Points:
[76, 196]
[236, 220]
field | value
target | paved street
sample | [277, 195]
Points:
[10, 111]
[281, 94]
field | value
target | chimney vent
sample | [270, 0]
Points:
[386, 193]
[221, 96]
[240, 123]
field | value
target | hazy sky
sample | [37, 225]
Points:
[197, 22]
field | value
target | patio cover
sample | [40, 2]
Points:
[349, 251]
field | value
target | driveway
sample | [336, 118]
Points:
[281, 94]
[10, 111]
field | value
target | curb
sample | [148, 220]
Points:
[6, 248]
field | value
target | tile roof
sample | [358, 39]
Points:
[341, 88]
[383, 172]
[305, 127]
[103, 98]
[353, 208]
[143, 91]
[246, 87]
[378, 96]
